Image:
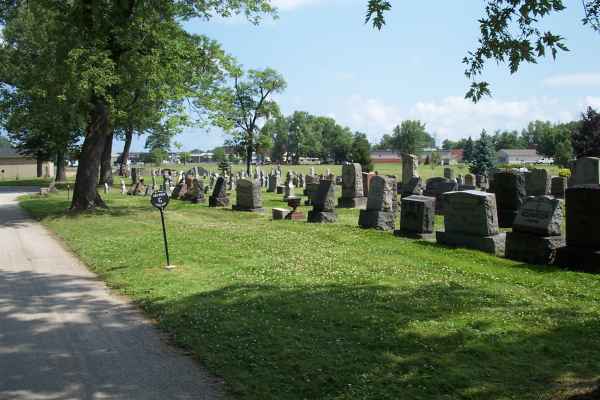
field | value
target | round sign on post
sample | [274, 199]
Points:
[160, 200]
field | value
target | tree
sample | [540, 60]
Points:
[511, 31]
[278, 130]
[185, 157]
[506, 140]
[219, 154]
[563, 154]
[242, 106]
[361, 151]
[483, 155]
[158, 155]
[468, 150]
[411, 137]
[586, 136]
[105, 49]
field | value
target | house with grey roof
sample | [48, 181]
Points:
[517, 156]
[14, 166]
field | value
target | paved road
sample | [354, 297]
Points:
[64, 336]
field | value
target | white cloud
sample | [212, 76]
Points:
[454, 117]
[572, 80]
[593, 102]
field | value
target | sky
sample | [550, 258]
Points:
[371, 80]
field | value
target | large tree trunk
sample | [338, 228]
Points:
[105, 162]
[248, 157]
[126, 148]
[61, 172]
[85, 195]
[40, 167]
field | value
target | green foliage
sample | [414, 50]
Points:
[361, 152]
[586, 136]
[158, 155]
[410, 137]
[219, 154]
[185, 157]
[484, 155]
[4, 143]
[468, 150]
[564, 172]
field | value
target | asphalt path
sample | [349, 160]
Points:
[64, 335]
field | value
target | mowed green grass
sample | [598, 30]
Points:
[290, 310]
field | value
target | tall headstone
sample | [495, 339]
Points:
[509, 188]
[417, 217]
[413, 187]
[537, 231]
[585, 171]
[448, 173]
[537, 182]
[195, 193]
[273, 183]
[410, 167]
[380, 206]
[582, 229]
[352, 187]
[471, 221]
[248, 196]
[289, 190]
[436, 187]
[219, 196]
[558, 186]
[138, 189]
[323, 202]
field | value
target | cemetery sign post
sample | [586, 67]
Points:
[160, 200]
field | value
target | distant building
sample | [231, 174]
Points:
[518, 156]
[451, 157]
[385, 156]
[16, 166]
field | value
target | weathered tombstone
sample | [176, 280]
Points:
[138, 189]
[410, 167]
[537, 182]
[585, 171]
[558, 186]
[289, 190]
[279, 213]
[273, 183]
[436, 187]
[180, 190]
[380, 206]
[248, 196]
[394, 184]
[123, 187]
[470, 220]
[509, 188]
[413, 187]
[468, 183]
[219, 195]
[537, 231]
[195, 193]
[367, 176]
[417, 217]
[481, 181]
[310, 191]
[582, 228]
[136, 175]
[448, 173]
[323, 203]
[352, 187]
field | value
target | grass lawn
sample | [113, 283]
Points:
[290, 310]
[26, 182]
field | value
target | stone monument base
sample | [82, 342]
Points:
[280, 213]
[218, 201]
[533, 249]
[414, 235]
[280, 189]
[235, 207]
[383, 220]
[579, 259]
[295, 216]
[322, 216]
[352, 202]
[462, 188]
[506, 218]
[490, 244]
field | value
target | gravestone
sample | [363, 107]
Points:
[582, 228]
[280, 189]
[537, 231]
[380, 206]
[352, 187]
[367, 176]
[417, 217]
[471, 221]
[289, 190]
[195, 194]
[279, 213]
[558, 186]
[537, 182]
[219, 196]
[136, 175]
[410, 167]
[180, 190]
[585, 171]
[413, 187]
[448, 173]
[468, 183]
[509, 188]
[436, 187]
[273, 183]
[138, 189]
[310, 191]
[323, 203]
[248, 196]
[123, 187]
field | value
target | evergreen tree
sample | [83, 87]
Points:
[468, 150]
[483, 155]
[586, 136]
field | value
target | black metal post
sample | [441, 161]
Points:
[162, 219]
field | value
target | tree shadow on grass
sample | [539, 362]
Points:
[436, 341]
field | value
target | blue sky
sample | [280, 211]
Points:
[371, 80]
